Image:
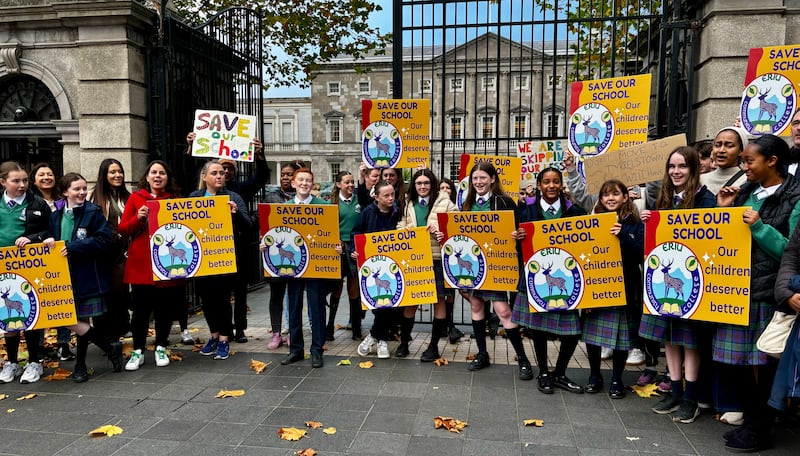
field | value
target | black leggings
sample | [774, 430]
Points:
[215, 293]
[277, 290]
[161, 302]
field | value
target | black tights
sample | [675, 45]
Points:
[277, 290]
[617, 362]
[568, 345]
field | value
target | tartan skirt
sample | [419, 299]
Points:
[607, 327]
[487, 295]
[563, 323]
[676, 331]
[90, 307]
[736, 345]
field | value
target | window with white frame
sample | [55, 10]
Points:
[287, 132]
[553, 125]
[455, 166]
[336, 167]
[334, 88]
[456, 127]
[456, 85]
[556, 80]
[488, 83]
[425, 86]
[519, 123]
[390, 87]
[334, 130]
[363, 87]
[487, 126]
[521, 82]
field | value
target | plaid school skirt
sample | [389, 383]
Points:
[737, 344]
[563, 323]
[90, 307]
[676, 331]
[607, 327]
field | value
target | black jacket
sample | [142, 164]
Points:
[37, 218]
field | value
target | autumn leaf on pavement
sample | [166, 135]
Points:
[229, 393]
[58, 374]
[306, 452]
[470, 357]
[648, 390]
[175, 355]
[536, 423]
[50, 364]
[291, 433]
[441, 362]
[10, 410]
[451, 424]
[108, 430]
[365, 364]
[258, 366]
[344, 362]
[313, 424]
[329, 430]
[3, 396]
[27, 396]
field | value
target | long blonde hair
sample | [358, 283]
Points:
[201, 185]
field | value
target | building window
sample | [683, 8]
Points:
[520, 124]
[269, 133]
[456, 85]
[553, 124]
[334, 88]
[487, 127]
[555, 79]
[425, 86]
[456, 128]
[488, 83]
[287, 132]
[454, 168]
[363, 87]
[390, 87]
[334, 130]
[335, 169]
[521, 82]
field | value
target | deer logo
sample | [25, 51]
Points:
[384, 148]
[462, 263]
[671, 282]
[557, 282]
[10, 304]
[285, 253]
[175, 253]
[764, 106]
[590, 132]
[381, 284]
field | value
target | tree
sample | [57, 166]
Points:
[301, 34]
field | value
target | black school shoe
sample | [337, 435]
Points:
[748, 441]
[594, 385]
[545, 383]
[563, 382]
[616, 390]
[481, 361]
[80, 374]
[525, 370]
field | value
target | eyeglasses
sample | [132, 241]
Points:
[423, 183]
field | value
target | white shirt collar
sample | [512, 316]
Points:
[545, 205]
[18, 200]
[763, 192]
[305, 201]
[342, 197]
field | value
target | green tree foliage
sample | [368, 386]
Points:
[300, 34]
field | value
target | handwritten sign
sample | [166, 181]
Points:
[223, 134]
[35, 288]
[301, 240]
[478, 251]
[636, 164]
[573, 263]
[507, 170]
[769, 98]
[395, 133]
[191, 237]
[538, 155]
[697, 265]
[607, 114]
[395, 268]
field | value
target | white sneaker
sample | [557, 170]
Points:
[366, 346]
[136, 360]
[383, 350]
[635, 357]
[606, 353]
[32, 373]
[10, 372]
[187, 338]
[161, 356]
[732, 418]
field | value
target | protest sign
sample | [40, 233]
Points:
[301, 240]
[507, 170]
[538, 155]
[478, 251]
[697, 265]
[221, 134]
[572, 263]
[395, 133]
[35, 288]
[191, 237]
[769, 98]
[395, 268]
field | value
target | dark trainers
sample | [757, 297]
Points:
[687, 412]
[402, 350]
[430, 354]
[481, 360]
[667, 404]
[748, 441]
[525, 370]
[80, 374]
[115, 355]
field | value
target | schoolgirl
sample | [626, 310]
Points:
[613, 327]
[24, 219]
[423, 204]
[485, 193]
[343, 196]
[215, 291]
[774, 198]
[680, 189]
[728, 145]
[88, 242]
[548, 203]
[394, 177]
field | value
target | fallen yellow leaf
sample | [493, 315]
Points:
[3, 396]
[344, 362]
[648, 390]
[291, 433]
[441, 362]
[58, 374]
[306, 452]
[451, 424]
[536, 423]
[27, 396]
[50, 364]
[329, 430]
[469, 357]
[229, 393]
[10, 410]
[175, 356]
[365, 364]
[108, 429]
[258, 366]
[313, 424]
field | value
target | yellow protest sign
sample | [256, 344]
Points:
[301, 240]
[697, 265]
[221, 134]
[395, 268]
[606, 114]
[191, 237]
[769, 98]
[572, 263]
[479, 252]
[35, 288]
[538, 155]
[508, 170]
[395, 133]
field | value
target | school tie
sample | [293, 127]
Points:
[481, 201]
[346, 201]
[676, 200]
[551, 211]
[11, 204]
[423, 202]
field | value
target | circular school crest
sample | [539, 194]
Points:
[554, 280]
[381, 145]
[673, 280]
[19, 304]
[382, 284]
[461, 192]
[591, 129]
[767, 104]
[463, 262]
[175, 251]
[286, 254]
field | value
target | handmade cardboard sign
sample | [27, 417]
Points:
[697, 265]
[507, 170]
[395, 268]
[769, 98]
[223, 134]
[395, 133]
[538, 155]
[191, 237]
[35, 288]
[300, 240]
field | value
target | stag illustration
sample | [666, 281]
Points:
[671, 282]
[557, 282]
[381, 284]
[11, 305]
[463, 264]
[175, 253]
[381, 146]
[284, 253]
[765, 106]
[590, 132]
